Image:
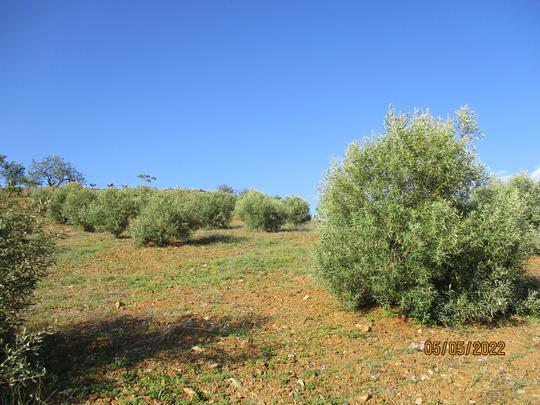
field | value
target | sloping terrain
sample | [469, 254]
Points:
[235, 317]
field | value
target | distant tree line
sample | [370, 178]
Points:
[52, 171]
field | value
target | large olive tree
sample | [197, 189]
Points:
[410, 219]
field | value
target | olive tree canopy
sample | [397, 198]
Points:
[411, 219]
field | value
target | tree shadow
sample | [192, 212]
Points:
[295, 229]
[532, 282]
[74, 353]
[215, 238]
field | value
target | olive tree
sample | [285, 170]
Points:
[111, 210]
[25, 254]
[168, 217]
[76, 207]
[297, 210]
[260, 211]
[410, 219]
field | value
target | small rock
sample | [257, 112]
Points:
[197, 349]
[423, 377]
[521, 391]
[213, 366]
[191, 393]
[301, 383]
[450, 379]
[367, 396]
[364, 398]
[430, 371]
[419, 331]
[206, 318]
[306, 297]
[118, 304]
[418, 401]
[235, 383]
[364, 327]
[417, 346]
[472, 401]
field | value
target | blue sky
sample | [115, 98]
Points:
[257, 94]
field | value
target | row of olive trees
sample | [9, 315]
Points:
[260, 211]
[412, 219]
[161, 217]
[115, 210]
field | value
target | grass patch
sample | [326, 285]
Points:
[336, 330]
[80, 250]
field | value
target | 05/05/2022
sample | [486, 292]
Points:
[462, 348]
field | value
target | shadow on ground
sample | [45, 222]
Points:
[215, 238]
[79, 356]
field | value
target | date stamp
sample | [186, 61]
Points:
[462, 348]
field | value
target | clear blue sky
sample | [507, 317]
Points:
[257, 94]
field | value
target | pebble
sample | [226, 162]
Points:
[363, 327]
[367, 396]
[235, 383]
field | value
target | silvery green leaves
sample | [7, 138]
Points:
[410, 219]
